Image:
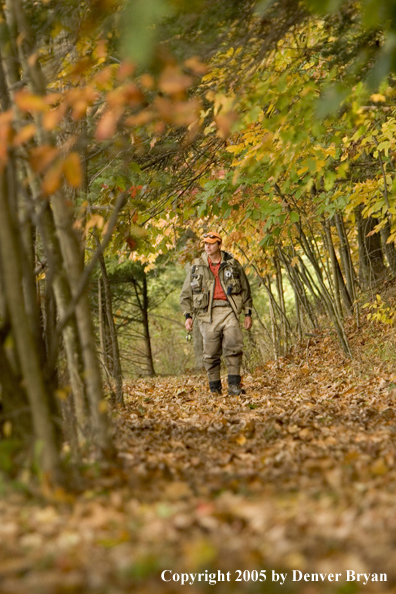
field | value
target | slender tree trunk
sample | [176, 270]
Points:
[346, 259]
[313, 258]
[281, 298]
[116, 367]
[389, 248]
[324, 291]
[297, 283]
[371, 262]
[330, 250]
[72, 258]
[25, 344]
[146, 329]
[56, 277]
[339, 284]
[103, 340]
[274, 325]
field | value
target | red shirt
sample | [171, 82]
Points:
[218, 290]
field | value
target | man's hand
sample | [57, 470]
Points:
[189, 324]
[248, 322]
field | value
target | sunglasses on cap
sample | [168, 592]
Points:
[211, 236]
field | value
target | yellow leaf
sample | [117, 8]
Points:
[235, 148]
[377, 97]
[379, 467]
[302, 170]
[267, 140]
[241, 440]
[72, 170]
[103, 406]
[61, 394]
[7, 429]
[95, 221]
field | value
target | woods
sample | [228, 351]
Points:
[127, 131]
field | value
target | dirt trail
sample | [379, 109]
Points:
[299, 473]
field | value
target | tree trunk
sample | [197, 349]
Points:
[27, 349]
[346, 259]
[281, 297]
[297, 283]
[371, 262]
[146, 329]
[274, 325]
[339, 284]
[116, 363]
[326, 296]
[389, 248]
[56, 277]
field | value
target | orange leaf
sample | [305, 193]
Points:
[29, 102]
[72, 170]
[127, 95]
[53, 117]
[196, 65]
[224, 123]
[25, 134]
[52, 98]
[186, 112]
[125, 70]
[147, 81]
[5, 135]
[141, 118]
[172, 81]
[52, 179]
[104, 76]
[79, 109]
[42, 156]
[107, 125]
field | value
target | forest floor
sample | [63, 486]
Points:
[297, 474]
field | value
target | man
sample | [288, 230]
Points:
[215, 291]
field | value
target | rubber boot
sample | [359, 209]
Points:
[234, 385]
[215, 387]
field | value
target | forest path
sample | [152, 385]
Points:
[299, 473]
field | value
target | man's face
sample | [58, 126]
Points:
[212, 249]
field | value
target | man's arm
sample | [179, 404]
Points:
[246, 299]
[186, 301]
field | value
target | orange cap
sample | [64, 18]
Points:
[211, 237]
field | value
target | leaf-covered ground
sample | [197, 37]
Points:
[299, 473]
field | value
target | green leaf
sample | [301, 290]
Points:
[139, 19]
[135, 167]
[323, 6]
